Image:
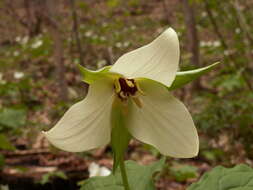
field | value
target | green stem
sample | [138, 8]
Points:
[124, 174]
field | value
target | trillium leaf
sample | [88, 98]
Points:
[90, 76]
[184, 77]
[220, 178]
[140, 178]
[182, 172]
[120, 136]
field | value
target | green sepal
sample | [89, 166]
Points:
[184, 77]
[90, 76]
[120, 136]
[140, 178]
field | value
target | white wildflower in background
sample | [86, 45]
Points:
[210, 43]
[126, 44]
[227, 52]
[18, 75]
[16, 53]
[24, 40]
[96, 170]
[133, 27]
[102, 38]
[18, 39]
[216, 43]
[202, 43]
[237, 30]
[88, 34]
[138, 81]
[118, 44]
[204, 14]
[37, 44]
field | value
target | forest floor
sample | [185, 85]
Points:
[26, 167]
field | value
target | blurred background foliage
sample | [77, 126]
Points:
[42, 41]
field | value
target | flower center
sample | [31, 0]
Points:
[126, 88]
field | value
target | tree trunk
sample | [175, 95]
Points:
[192, 37]
[191, 31]
[54, 29]
[76, 31]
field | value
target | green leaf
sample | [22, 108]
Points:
[47, 177]
[90, 76]
[239, 177]
[212, 154]
[182, 172]
[140, 178]
[12, 117]
[120, 136]
[5, 143]
[184, 77]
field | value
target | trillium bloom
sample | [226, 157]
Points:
[139, 80]
[96, 170]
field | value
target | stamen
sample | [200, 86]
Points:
[128, 88]
[137, 101]
[117, 86]
[122, 95]
[130, 83]
[139, 89]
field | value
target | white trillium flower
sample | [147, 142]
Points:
[16, 53]
[37, 44]
[24, 40]
[96, 170]
[18, 75]
[216, 43]
[139, 79]
[237, 30]
[88, 34]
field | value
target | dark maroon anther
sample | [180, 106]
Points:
[126, 89]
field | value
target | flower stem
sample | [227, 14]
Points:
[124, 174]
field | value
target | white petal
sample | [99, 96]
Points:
[86, 125]
[157, 61]
[164, 122]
